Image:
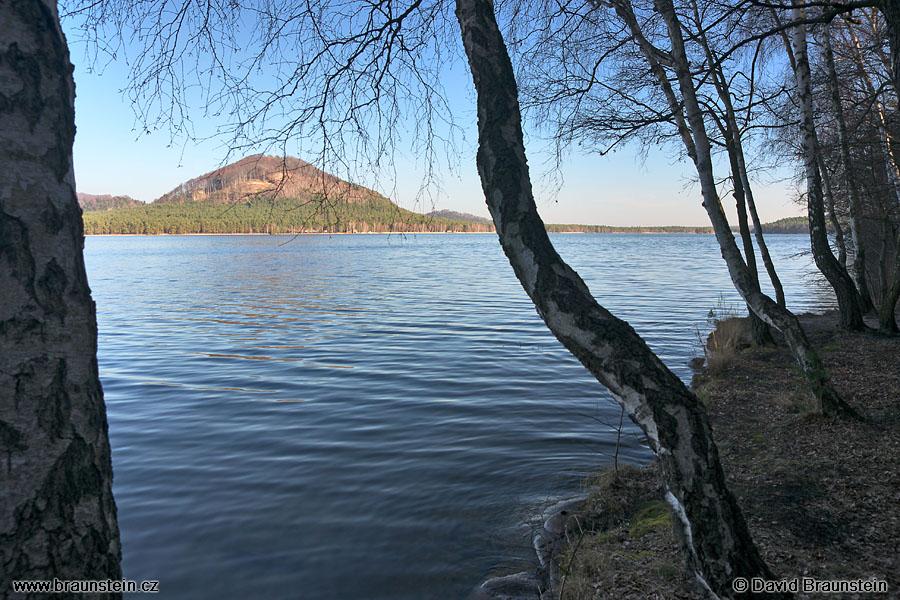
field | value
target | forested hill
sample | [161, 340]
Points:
[105, 202]
[282, 215]
[265, 194]
[260, 176]
[458, 216]
[788, 225]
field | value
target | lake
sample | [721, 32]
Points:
[367, 416]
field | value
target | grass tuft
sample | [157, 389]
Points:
[730, 336]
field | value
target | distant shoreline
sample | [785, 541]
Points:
[391, 233]
[417, 233]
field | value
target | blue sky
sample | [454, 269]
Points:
[115, 155]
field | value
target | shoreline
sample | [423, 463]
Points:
[406, 233]
[819, 495]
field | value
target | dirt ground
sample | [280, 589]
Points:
[821, 496]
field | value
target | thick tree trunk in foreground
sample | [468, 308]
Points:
[844, 288]
[57, 514]
[713, 532]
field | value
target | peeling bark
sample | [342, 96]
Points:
[715, 537]
[57, 514]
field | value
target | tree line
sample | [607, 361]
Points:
[282, 215]
[292, 215]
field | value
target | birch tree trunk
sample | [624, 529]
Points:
[712, 530]
[836, 224]
[844, 288]
[698, 148]
[759, 328]
[57, 514]
[743, 189]
[859, 264]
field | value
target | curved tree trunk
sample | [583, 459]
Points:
[844, 288]
[713, 532]
[57, 514]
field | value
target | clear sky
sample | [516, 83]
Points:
[114, 155]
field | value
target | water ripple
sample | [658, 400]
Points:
[365, 416]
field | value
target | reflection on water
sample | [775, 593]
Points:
[364, 416]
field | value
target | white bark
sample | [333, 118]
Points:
[855, 202]
[843, 285]
[57, 515]
[715, 537]
[698, 148]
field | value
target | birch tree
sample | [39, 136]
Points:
[57, 514]
[855, 208]
[361, 67]
[713, 533]
[651, 41]
[849, 303]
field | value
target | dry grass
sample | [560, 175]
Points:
[821, 496]
[628, 544]
[730, 336]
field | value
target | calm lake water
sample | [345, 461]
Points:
[366, 417]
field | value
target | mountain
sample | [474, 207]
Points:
[265, 194]
[259, 176]
[105, 202]
[458, 216]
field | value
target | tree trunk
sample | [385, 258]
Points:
[713, 532]
[835, 222]
[758, 228]
[57, 514]
[758, 328]
[891, 11]
[835, 273]
[886, 320]
[743, 189]
[891, 168]
[698, 148]
[859, 265]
